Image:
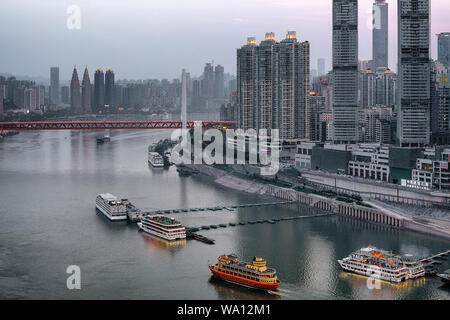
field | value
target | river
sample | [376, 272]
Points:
[48, 184]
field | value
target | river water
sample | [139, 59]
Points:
[48, 184]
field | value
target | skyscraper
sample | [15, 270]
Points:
[345, 71]
[443, 110]
[54, 85]
[65, 94]
[413, 115]
[86, 92]
[75, 100]
[183, 100]
[246, 77]
[1, 101]
[368, 89]
[321, 66]
[380, 34]
[292, 87]
[99, 90]
[218, 82]
[208, 81]
[444, 49]
[36, 97]
[272, 85]
[265, 81]
[109, 88]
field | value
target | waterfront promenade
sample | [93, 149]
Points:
[369, 210]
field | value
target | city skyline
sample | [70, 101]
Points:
[201, 44]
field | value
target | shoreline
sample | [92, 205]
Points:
[392, 216]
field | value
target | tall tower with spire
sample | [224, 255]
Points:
[75, 101]
[86, 92]
[380, 31]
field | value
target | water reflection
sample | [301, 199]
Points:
[387, 291]
[54, 177]
[155, 243]
[226, 291]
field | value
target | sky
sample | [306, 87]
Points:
[143, 39]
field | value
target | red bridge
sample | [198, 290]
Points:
[87, 125]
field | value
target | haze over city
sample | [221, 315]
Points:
[156, 39]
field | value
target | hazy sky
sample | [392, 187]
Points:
[144, 39]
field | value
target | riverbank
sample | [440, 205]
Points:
[370, 211]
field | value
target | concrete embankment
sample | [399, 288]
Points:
[437, 227]
[370, 211]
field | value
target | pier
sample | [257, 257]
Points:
[431, 260]
[135, 215]
[242, 223]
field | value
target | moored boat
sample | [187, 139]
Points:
[155, 159]
[445, 276]
[382, 265]
[103, 139]
[112, 207]
[163, 227]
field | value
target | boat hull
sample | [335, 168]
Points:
[110, 217]
[156, 165]
[444, 277]
[158, 234]
[368, 273]
[243, 281]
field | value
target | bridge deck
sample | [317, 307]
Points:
[92, 125]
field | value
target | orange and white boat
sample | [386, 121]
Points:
[254, 275]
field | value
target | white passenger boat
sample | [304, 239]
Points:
[155, 159]
[382, 265]
[113, 208]
[163, 227]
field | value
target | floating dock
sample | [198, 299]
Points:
[135, 214]
[436, 259]
[271, 221]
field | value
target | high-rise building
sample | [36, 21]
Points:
[316, 107]
[265, 82]
[65, 94]
[2, 96]
[246, 78]
[75, 100]
[109, 88]
[36, 98]
[208, 81]
[42, 97]
[443, 110]
[345, 71]
[444, 49]
[218, 82]
[321, 66]
[1, 101]
[413, 115]
[54, 85]
[99, 90]
[368, 89]
[19, 97]
[386, 88]
[86, 92]
[272, 85]
[292, 87]
[380, 34]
